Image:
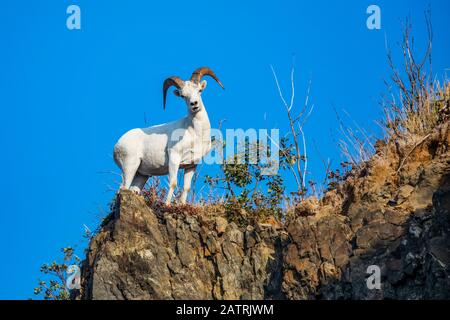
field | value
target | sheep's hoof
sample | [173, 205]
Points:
[135, 190]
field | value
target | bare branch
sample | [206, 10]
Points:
[279, 88]
[305, 157]
[298, 172]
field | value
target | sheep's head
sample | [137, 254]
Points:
[191, 93]
[190, 90]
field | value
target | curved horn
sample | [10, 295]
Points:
[172, 81]
[198, 74]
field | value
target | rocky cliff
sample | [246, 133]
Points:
[392, 212]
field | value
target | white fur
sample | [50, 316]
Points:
[163, 149]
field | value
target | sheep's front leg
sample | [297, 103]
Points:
[174, 164]
[188, 175]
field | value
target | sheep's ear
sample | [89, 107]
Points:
[177, 93]
[203, 84]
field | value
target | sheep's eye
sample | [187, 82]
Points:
[200, 91]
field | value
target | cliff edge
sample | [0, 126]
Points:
[393, 212]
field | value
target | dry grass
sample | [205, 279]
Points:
[422, 103]
[154, 195]
[356, 145]
[417, 103]
[421, 117]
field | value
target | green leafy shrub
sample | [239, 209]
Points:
[249, 194]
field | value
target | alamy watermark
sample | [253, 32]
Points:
[74, 277]
[250, 146]
[73, 21]
[373, 22]
[373, 281]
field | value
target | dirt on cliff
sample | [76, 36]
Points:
[392, 212]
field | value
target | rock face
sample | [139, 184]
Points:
[393, 213]
[140, 255]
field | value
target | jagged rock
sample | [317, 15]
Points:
[403, 193]
[221, 225]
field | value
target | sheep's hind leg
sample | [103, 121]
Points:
[129, 171]
[138, 183]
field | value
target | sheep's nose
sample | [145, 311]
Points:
[194, 103]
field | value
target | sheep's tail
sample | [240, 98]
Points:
[118, 155]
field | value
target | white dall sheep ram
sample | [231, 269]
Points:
[163, 149]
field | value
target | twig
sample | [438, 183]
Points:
[305, 157]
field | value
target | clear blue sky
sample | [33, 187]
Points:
[66, 96]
